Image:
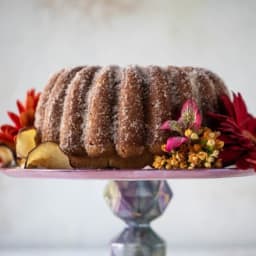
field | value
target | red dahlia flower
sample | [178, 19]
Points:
[238, 131]
[25, 118]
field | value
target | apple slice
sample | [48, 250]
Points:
[48, 155]
[25, 142]
[6, 156]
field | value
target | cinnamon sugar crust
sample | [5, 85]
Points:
[54, 108]
[75, 111]
[158, 107]
[109, 117]
[39, 119]
[98, 139]
[131, 126]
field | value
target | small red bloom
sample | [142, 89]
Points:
[25, 118]
[238, 131]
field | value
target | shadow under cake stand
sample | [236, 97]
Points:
[135, 196]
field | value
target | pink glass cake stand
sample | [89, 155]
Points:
[135, 196]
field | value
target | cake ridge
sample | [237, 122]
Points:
[207, 94]
[54, 107]
[114, 109]
[74, 111]
[158, 107]
[130, 115]
[39, 118]
[98, 137]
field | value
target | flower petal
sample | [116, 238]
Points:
[242, 163]
[175, 142]
[8, 129]
[20, 106]
[172, 125]
[228, 105]
[198, 121]
[30, 102]
[7, 140]
[251, 159]
[27, 118]
[15, 118]
[166, 125]
[190, 115]
[250, 124]
[240, 108]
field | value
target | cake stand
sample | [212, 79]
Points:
[135, 196]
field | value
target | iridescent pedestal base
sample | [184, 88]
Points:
[139, 241]
[138, 203]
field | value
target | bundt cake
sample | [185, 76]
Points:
[110, 116]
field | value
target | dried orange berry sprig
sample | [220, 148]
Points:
[195, 147]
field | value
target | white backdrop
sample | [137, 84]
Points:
[39, 37]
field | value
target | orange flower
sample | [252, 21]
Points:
[25, 118]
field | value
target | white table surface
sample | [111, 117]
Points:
[105, 252]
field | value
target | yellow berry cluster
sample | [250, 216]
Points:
[200, 151]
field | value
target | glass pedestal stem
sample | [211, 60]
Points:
[138, 203]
